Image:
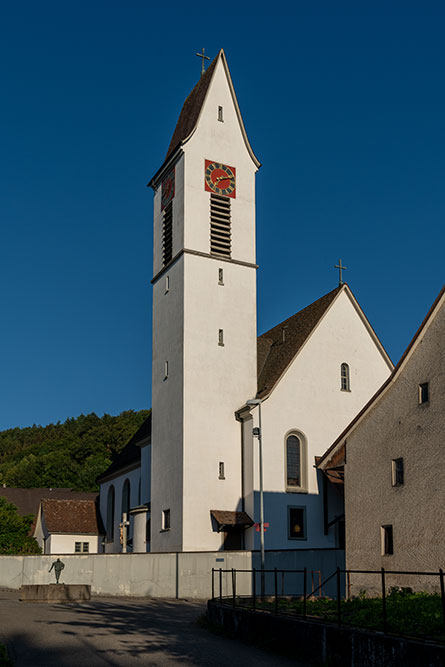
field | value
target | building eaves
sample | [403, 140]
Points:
[130, 457]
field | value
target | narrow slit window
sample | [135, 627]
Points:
[220, 277]
[221, 470]
[344, 378]
[165, 370]
[167, 284]
[167, 234]
[386, 533]
[221, 114]
[220, 226]
[397, 472]
[424, 393]
[221, 337]
[166, 520]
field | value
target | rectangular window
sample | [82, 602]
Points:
[296, 522]
[77, 547]
[166, 520]
[167, 283]
[424, 393]
[165, 370]
[221, 470]
[221, 337]
[85, 547]
[220, 226]
[148, 530]
[220, 114]
[397, 472]
[167, 233]
[387, 540]
[220, 277]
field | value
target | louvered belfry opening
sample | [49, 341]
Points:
[220, 231]
[167, 233]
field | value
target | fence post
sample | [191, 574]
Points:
[442, 593]
[282, 582]
[213, 583]
[338, 597]
[304, 592]
[384, 600]
[220, 585]
[254, 589]
[276, 590]
[234, 587]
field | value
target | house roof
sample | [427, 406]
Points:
[72, 516]
[334, 457]
[27, 501]
[230, 519]
[277, 347]
[131, 453]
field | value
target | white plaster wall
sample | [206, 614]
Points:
[308, 399]
[398, 427]
[217, 380]
[65, 543]
[167, 402]
[133, 477]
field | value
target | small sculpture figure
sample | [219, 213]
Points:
[58, 567]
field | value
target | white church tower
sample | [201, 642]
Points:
[204, 315]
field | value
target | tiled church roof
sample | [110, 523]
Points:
[277, 347]
[191, 109]
[131, 453]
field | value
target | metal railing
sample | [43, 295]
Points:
[261, 602]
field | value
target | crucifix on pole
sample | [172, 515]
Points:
[204, 57]
[340, 268]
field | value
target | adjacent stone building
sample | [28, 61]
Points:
[393, 458]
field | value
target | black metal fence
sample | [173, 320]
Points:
[267, 598]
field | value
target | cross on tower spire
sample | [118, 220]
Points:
[204, 57]
[340, 268]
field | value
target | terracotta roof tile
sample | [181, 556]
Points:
[27, 501]
[277, 347]
[72, 516]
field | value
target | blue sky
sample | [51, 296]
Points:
[344, 104]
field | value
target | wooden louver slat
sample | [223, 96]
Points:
[220, 226]
[167, 234]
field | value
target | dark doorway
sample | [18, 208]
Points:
[233, 539]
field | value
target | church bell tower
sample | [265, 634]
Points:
[204, 315]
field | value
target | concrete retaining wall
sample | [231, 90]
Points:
[161, 575]
[317, 644]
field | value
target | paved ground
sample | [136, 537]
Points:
[118, 632]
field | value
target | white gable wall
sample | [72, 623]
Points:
[308, 399]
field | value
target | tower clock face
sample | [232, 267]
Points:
[168, 189]
[220, 179]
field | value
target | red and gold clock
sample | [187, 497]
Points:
[220, 179]
[168, 189]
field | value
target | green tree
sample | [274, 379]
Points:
[14, 529]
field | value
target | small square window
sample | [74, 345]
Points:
[221, 337]
[397, 472]
[220, 277]
[386, 536]
[166, 520]
[296, 517]
[221, 114]
[85, 547]
[77, 547]
[424, 393]
[221, 470]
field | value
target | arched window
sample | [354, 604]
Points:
[110, 513]
[126, 498]
[295, 463]
[344, 376]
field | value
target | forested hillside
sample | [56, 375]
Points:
[71, 454]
